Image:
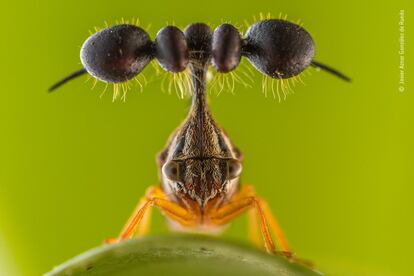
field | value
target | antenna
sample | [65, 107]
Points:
[331, 70]
[72, 76]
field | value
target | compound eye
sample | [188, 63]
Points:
[226, 48]
[116, 54]
[171, 49]
[234, 169]
[171, 170]
[278, 48]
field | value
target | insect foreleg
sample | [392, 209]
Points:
[138, 222]
[247, 200]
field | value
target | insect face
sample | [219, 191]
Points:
[201, 179]
[278, 48]
[116, 54]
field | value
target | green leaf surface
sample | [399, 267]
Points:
[178, 255]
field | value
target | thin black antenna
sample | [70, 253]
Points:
[67, 78]
[331, 70]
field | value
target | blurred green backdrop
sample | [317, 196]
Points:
[334, 159]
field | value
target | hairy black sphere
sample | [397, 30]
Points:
[171, 49]
[278, 48]
[116, 54]
[226, 48]
[198, 36]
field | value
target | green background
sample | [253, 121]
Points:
[334, 159]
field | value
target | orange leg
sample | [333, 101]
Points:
[140, 217]
[244, 201]
[254, 229]
[144, 227]
[274, 225]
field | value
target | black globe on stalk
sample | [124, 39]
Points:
[171, 49]
[116, 54]
[198, 36]
[278, 48]
[226, 48]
